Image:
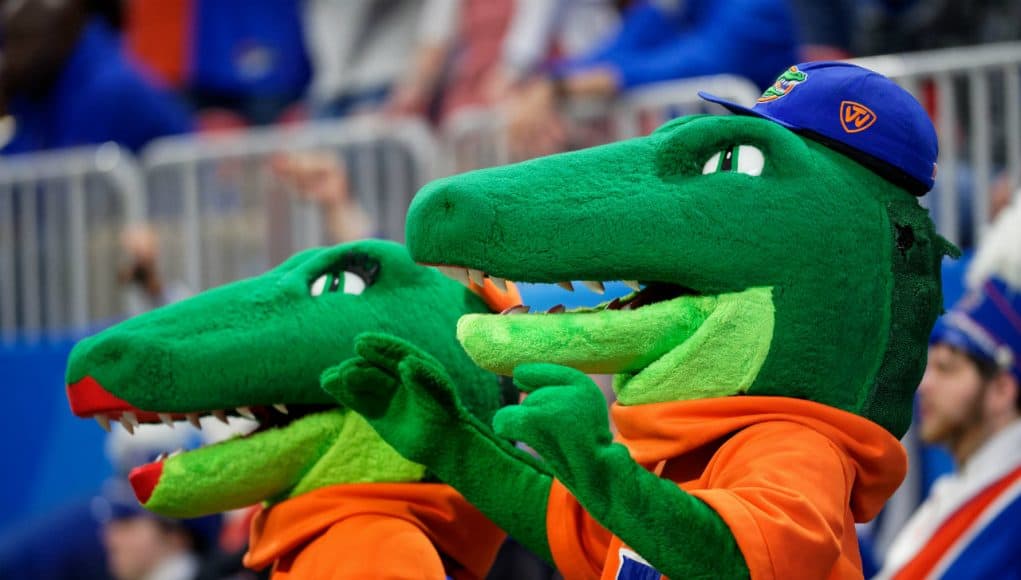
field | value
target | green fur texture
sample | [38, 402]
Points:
[816, 279]
[854, 300]
[265, 341]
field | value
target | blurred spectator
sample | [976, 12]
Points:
[827, 28]
[66, 83]
[464, 52]
[460, 43]
[542, 28]
[1000, 194]
[143, 546]
[970, 526]
[889, 26]
[477, 36]
[71, 543]
[661, 40]
[321, 177]
[111, 11]
[247, 56]
[140, 271]
[157, 34]
[359, 49]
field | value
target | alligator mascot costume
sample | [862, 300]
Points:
[764, 370]
[343, 504]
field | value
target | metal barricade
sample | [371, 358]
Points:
[61, 214]
[974, 96]
[477, 138]
[641, 111]
[221, 213]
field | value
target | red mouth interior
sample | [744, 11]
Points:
[89, 399]
[144, 479]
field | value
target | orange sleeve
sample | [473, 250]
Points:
[783, 491]
[366, 546]
[578, 543]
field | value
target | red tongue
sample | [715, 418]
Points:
[144, 479]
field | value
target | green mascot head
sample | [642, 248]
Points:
[256, 348]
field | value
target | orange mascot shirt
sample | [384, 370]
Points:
[419, 531]
[789, 478]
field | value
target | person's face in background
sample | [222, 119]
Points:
[135, 546]
[951, 396]
[36, 38]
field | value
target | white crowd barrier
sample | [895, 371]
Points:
[60, 217]
[641, 111]
[974, 96]
[223, 213]
[477, 138]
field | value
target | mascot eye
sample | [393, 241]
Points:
[745, 159]
[347, 282]
[351, 274]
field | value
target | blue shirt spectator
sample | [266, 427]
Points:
[249, 56]
[664, 40]
[97, 96]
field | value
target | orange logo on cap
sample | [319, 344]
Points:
[855, 117]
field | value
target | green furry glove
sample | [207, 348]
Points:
[565, 420]
[412, 403]
[403, 392]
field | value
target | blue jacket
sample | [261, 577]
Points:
[98, 97]
[245, 48]
[665, 40]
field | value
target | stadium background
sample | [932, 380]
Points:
[230, 133]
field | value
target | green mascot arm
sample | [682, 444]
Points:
[411, 402]
[674, 529]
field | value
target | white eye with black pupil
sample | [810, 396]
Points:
[352, 284]
[319, 285]
[746, 159]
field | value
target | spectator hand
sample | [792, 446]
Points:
[321, 178]
[408, 100]
[534, 126]
[141, 246]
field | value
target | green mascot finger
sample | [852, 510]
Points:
[360, 386]
[514, 423]
[432, 383]
[384, 350]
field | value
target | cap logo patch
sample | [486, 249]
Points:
[855, 117]
[790, 78]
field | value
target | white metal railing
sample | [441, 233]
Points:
[641, 111]
[60, 217]
[221, 213]
[974, 94]
[477, 138]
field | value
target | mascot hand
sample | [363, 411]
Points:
[564, 419]
[402, 391]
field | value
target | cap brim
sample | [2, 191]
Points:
[742, 110]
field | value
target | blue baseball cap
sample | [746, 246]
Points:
[985, 323]
[857, 112]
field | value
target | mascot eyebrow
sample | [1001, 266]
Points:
[765, 363]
